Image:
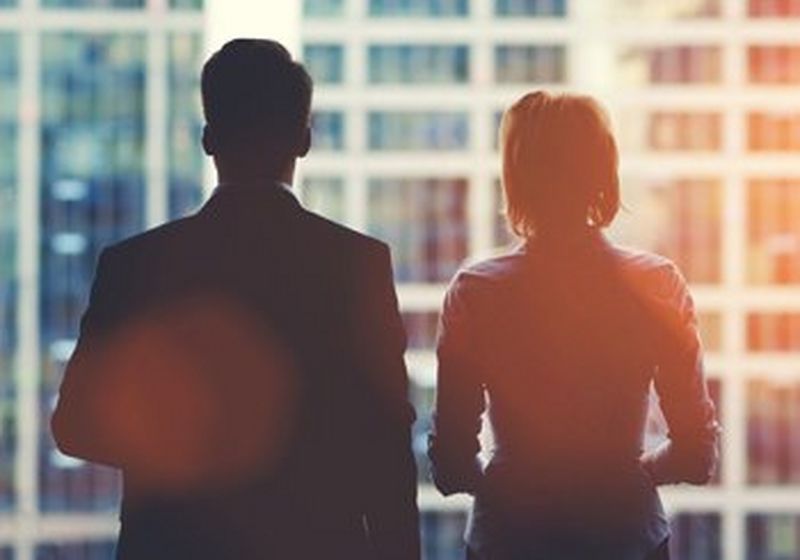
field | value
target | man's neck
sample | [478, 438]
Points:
[244, 176]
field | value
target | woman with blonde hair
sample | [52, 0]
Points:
[559, 343]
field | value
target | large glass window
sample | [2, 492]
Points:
[672, 65]
[92, 194]
[425, 223]
[428, 8]
[9, 288]
[325, 195]
[530, 64]
[773, 536]
[421, 329]
[531, 8]
[774, 8]
[773, 131]
[773, 332]
[325, 62]
[93, 3]
[680, 218]
[658, 9]
[323, 8]
[185, 158]
[773, 432]
[75, 551]
[419, 64]
[186, 4]
[443, 535]
[773, 239]
[328, 130]
[696, 536]
[774, 64]
[670, 131]
[416, 130]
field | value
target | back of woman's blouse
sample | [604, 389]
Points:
[559, 343]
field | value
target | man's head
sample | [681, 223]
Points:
[257, 103]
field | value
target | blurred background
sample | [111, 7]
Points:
[99, 139]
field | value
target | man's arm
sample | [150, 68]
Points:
[691, 452]
[75, 424]
[390, 490]
[453, 446]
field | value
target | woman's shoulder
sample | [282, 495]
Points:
[651, 272]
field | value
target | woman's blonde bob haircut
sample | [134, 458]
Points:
[559, 164]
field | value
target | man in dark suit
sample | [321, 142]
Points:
[244, 366]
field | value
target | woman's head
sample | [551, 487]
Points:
[559, 164]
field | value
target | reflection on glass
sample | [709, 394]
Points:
[678, 218]
[427, 8]
[328, 130]
[325, 196]
[773, 432]
[93, 3]
[673, 10]
[323, 8]
[75, 551]
[656, 429]
[774, 64]
[774, 8]
[443, 535]
[421, 329]
[773, 332]
[325, 62]
[184, 156]
[425, 223]
[531, 8]
[530, 64]
[414, 130]
[672, 65]
[92, 170]
[696, 536]
[9, 93]
[418, 64]
[773, 131]
[773, 537]
[773, 236]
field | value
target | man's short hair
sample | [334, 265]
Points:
[253, 92]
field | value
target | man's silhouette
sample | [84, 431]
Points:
[244, 366]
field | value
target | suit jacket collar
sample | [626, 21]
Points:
[274, 197]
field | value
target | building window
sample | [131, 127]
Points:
[710, 324]
[425, 223]
[75, 551]
[418, 64]
[658, 9]
[774, 536]
[531, 8]
[678, 218]
[323, 8]
[93, 3]
[773, 255]
[325, 62]
[421, 328]
[682, 131]
[774, 64]
[325, 196]
[419, 8]
[773, 132]
[774, 8]
[680, 64]
[696, 536]
[773, 332]
[328, 130]
[412, 130]
[186, 4]
[530, 64]
[773, 432]
[443, 534]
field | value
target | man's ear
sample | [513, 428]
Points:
[305, 143]
[209, 144]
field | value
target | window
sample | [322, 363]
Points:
[774, 64]
[443, 534]
[421, 329]
[186, 4]
[185, 159]
[773, 254]
[531, 8]
[75, 551]
[328, 130]
[773, 132]
[325, 62]
[419, 64]
[774, 8]
[412, 130]
[773, 536]
[679, 218]
[682, 131]
[773, 432]
[710, 324]
[773, 332]
[660, 10]
[530, 64]
[502, 234]
[680, 64]
[425, 223]
[428, 8]
[323, 8]
[92, 171]
[93, 3]
[696, 536]
[325, 196]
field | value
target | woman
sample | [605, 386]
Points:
[559, 342]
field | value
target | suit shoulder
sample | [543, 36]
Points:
[156, 236]
[347, 238]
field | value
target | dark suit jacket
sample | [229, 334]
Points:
[560, 342]
[244, 368]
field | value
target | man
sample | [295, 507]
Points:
[244, 366]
